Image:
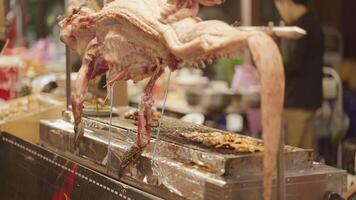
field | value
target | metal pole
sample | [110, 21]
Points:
[3, 11]
[246, 20]
[68, 76]
[246, 12]
[281, 186]
[68, 65]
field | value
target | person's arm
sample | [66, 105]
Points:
[297, 56]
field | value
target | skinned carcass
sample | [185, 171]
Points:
[137, 39]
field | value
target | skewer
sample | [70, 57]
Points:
[292, 32]
[68, 63]
[111, 90]
[5, 46]
[68, 76]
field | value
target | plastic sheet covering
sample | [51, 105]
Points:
[172, 151]
[188, 182]
[170, 170]
[163, 170]
[212, 162]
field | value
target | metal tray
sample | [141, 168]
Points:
[221, 161]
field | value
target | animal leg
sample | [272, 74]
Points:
[92, 65]
[143, 125]
[145, 111]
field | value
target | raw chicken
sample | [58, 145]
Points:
[136, 39]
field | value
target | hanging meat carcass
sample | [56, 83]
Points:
[136, 39]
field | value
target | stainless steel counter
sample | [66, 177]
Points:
[183, 169]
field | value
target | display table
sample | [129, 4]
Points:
[183, 169]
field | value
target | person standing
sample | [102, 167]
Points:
[303, 60]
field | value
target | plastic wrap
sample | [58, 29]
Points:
[181, 176]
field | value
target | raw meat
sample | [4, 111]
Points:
[136, 39]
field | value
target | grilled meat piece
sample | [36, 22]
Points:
[132, 114]
[224, 141]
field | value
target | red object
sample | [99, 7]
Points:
[9, 82]
[12, 33]
[68, 178]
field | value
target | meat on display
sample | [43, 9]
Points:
[137, 39]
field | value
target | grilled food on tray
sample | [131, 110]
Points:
[96, 107]
[133, 115]
[224, 141]
[96, 104]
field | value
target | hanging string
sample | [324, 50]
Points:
[111, 94]
[160, 120]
